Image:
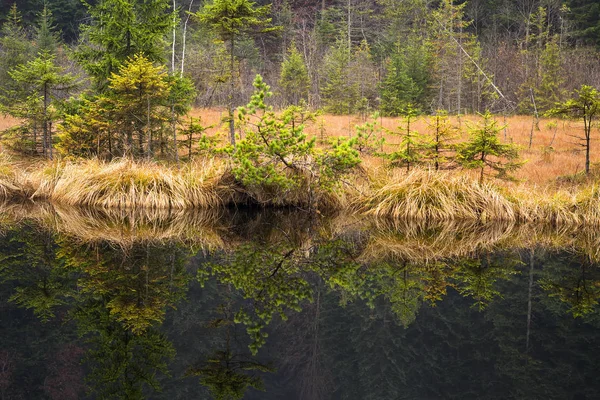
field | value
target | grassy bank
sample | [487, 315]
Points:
[421, 195]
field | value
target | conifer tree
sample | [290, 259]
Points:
[585, 105]
[438, 146]
[47, 38]
[39, 80]
[15, 49]
[410, 151]
[484, 150]
[294, 79]
[338, 91]
[232, 21]
[118, 30]
[407, 79]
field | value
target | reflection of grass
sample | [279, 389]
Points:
[415, 241]
[202, 228]
[426, 242]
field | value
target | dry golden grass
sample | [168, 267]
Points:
[126, 184]
[424, 195]
[380, 191]
[543, 165]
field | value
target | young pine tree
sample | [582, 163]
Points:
[39, 82]
[484, 150]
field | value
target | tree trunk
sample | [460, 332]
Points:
[231, 89]
[588, 129]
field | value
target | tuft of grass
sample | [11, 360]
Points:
[424, 195]
[127, 184]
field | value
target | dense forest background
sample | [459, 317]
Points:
[351, 56]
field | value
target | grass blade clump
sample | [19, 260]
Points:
[433, 196]
[130, 184]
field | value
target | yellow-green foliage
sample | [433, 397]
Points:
[427, 195]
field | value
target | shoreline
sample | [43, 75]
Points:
[420, 195]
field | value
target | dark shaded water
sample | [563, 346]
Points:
[282, 305]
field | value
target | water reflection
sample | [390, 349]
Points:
[106, 304]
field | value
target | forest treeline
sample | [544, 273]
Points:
[92, 68]
[349, 56]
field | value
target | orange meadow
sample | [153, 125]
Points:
[543, 164]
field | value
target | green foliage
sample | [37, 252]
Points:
[550, 90]
[15, 50]
[120, 29]
[411, 146]
[195, 128]
[39, 80]
[586, 16]
[585, 105]
[232, 18]
[47, 38]
[132, 117]
[273, 148]
[276, 156]
[369, 136]
[338, 93]
[294, 79]
[407, 79]
[484, 150]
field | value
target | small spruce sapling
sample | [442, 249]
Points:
[584, 105]
[369, 138]
[439, 144]
[484, 151]
[410, 152]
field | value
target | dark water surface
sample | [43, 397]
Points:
[282, 305]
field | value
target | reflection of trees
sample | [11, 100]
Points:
[28, 259]
[124, 294]
[137, 283]
[122, 363]
[230, 370]
[477, 277]
[575, 281]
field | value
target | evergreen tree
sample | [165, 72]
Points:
[47, 38]
[550, 90]
[411, 148]
[585, 105]
[484, 151]
[294, 79]
[120, 29]
[39, 80]
[442, 133]
[15, 49]
[407, 79]
[586, 16]
[232, 21]
[339, 93]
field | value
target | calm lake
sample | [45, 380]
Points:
[285, 305]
